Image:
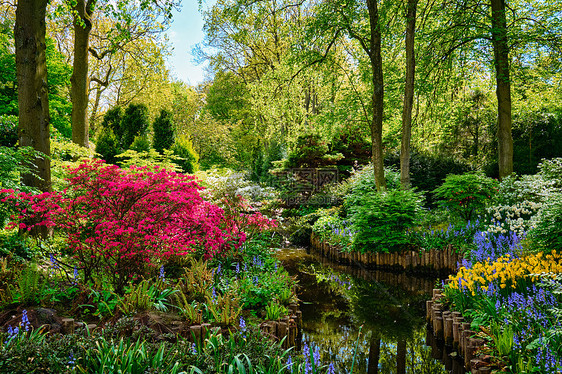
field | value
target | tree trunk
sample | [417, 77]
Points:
[503, 87]
[408, 94]
[401, 357]
[374, 356]
[94, 113]
[377, 100]
[79, 80]
[33, 101]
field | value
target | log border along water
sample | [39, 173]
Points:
[444, 261]
[450, 329]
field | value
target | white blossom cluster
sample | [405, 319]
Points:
[518, 204]
[517, 218]
[227, 182]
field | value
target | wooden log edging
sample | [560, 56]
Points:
[288, 327]
[430, 261]
[450, 329]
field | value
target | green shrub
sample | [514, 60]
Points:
[18, 247]
[552, 170]
[467, 194]
[163, 131]
[8, 131]
[112, 120]
[140, 144]
[135, 122]
[548, 229]
[108, 146]
[381, 220]
[13, 163]
[427, 172]
[189, 158]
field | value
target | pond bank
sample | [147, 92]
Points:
[371, 319]
[429, 262]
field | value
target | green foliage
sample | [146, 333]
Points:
[468, 194]
[13, 163]
[8, 131]
[64, 154]
[112, 120]
[188, 158]
[548, 230]
[381, 220]
[140, 144]
[536, 135]
[29, 286]
[551, 170]
[18, 247]
[274, 311]
[428, 171]
[109, 356]
[163, 131]
[362, 181]
[107, 146]
[135, 122]
[109, 351]
[60, 107]
[150, 159]
[310, 151]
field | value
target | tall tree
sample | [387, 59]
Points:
[33, 101]
[408, 93]
[124, 13]
[503, 87]
[82, 10]
[375, 57]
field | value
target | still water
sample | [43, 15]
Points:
[373, 322]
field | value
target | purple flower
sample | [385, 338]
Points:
[242, 324]
[24, 320]
[290, 364]
[316, 357]
[162, 274]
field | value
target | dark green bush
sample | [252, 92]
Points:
[536, 135]
[548, 230]
[427, 172]
[8, 131]
[468, 194]
[140, 144]
[112, 120]
[135, 122]
[163, 131]
[108, 146]
[189, 158]
[381, 219]
[16, 246]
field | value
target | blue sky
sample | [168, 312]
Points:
[185, 33]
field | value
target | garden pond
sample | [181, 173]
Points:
[365, 320]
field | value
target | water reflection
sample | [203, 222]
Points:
[369, 324]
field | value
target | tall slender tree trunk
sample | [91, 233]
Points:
[377, 100]
[401, 357]
[374, 356]
[503, 87]
[33, 101]
[79, 79]
[408, 94]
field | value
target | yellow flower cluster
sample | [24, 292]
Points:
[506, 271]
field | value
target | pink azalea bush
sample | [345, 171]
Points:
[117, 221]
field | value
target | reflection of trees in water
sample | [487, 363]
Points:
[393, 333]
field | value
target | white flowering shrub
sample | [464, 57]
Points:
[226, 182]
[520, 199]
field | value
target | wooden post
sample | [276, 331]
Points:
[196, 334]
[68, 325]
